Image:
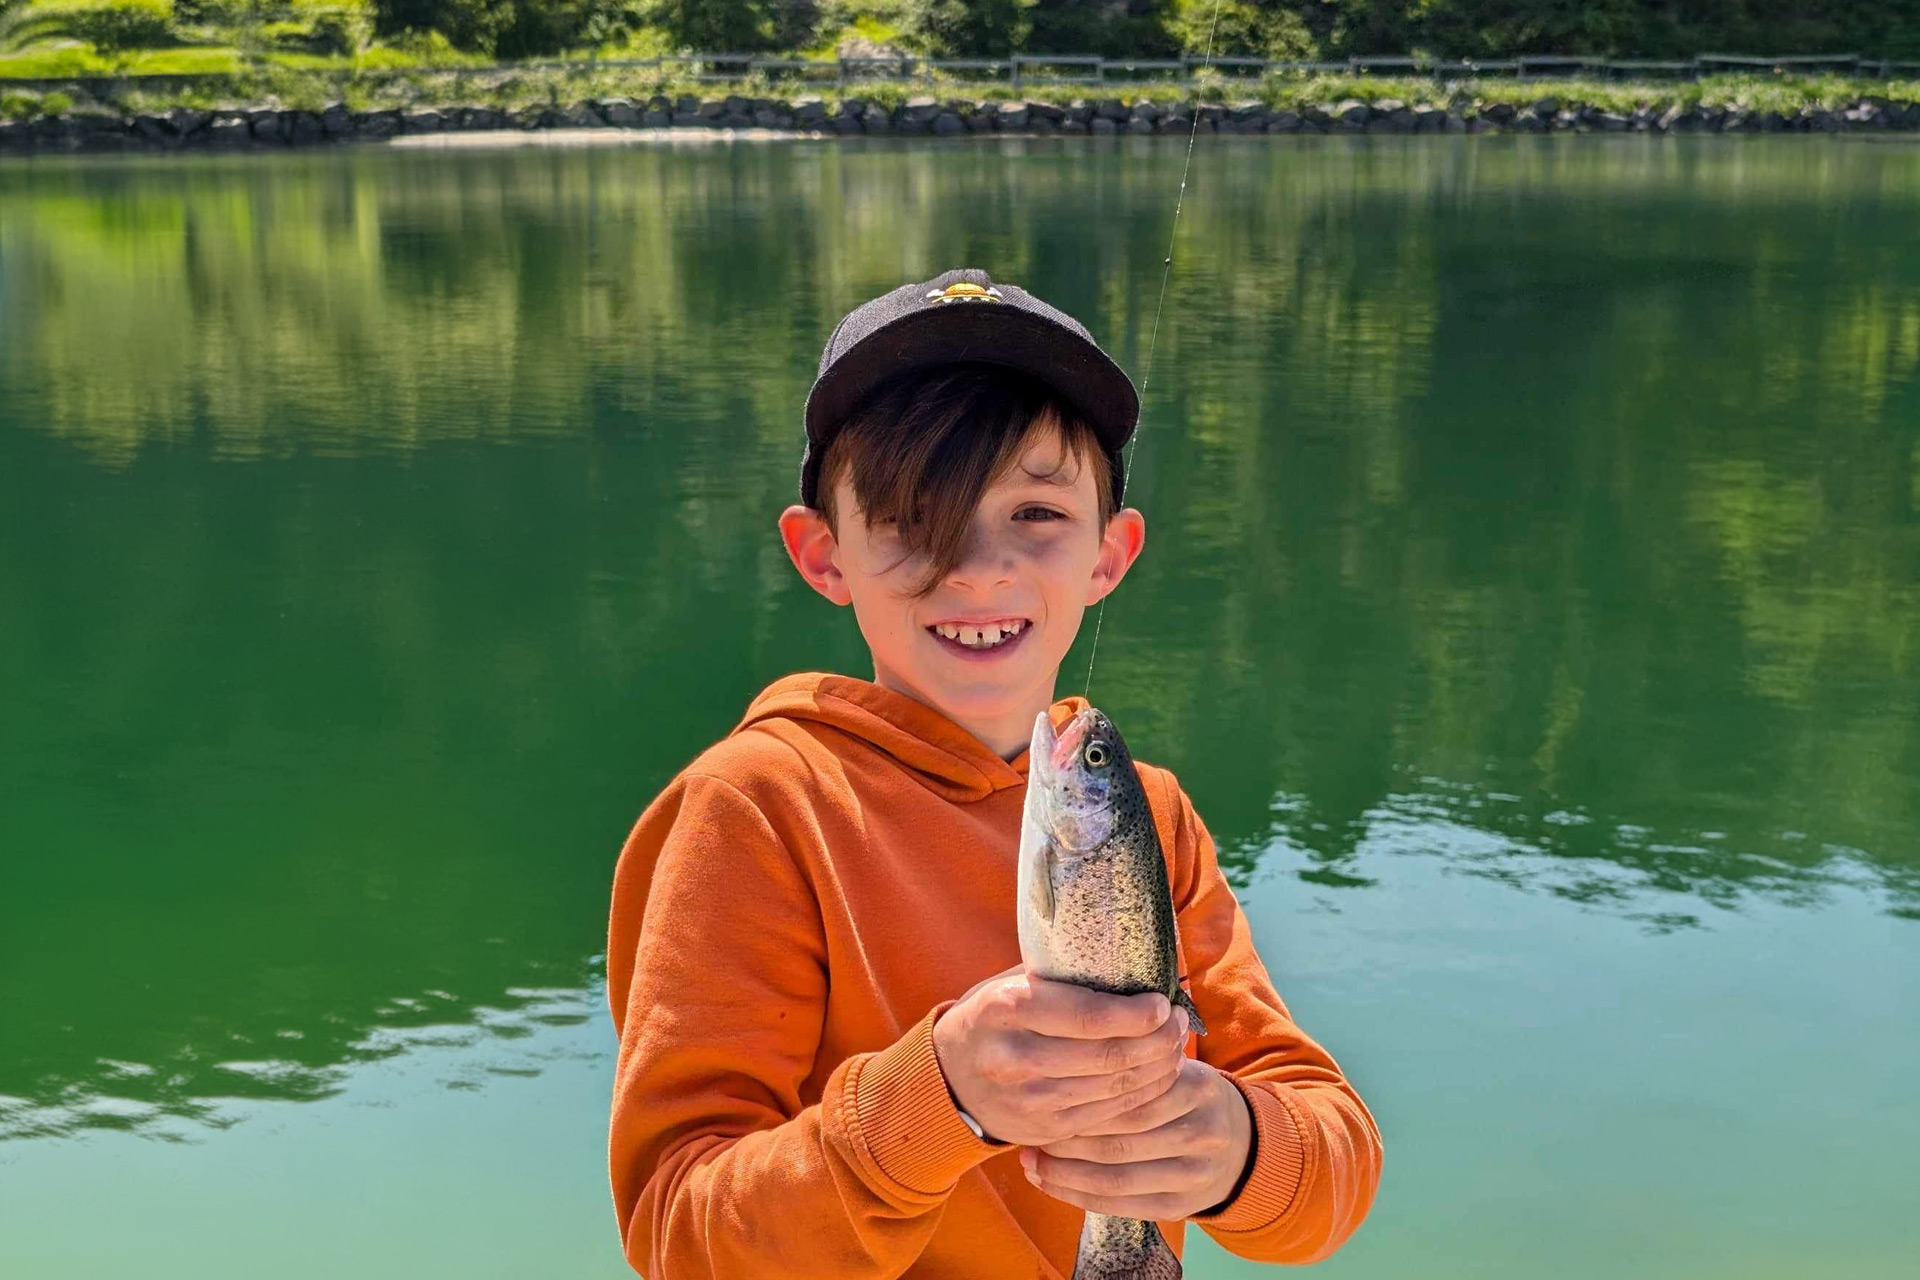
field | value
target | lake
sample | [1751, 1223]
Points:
[1531, 607]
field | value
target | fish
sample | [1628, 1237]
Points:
[1094, 908]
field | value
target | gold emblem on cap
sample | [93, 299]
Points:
[964, 291]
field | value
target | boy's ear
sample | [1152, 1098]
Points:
[1120, 546]
[811, 546]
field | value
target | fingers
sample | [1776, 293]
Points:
[1065, 1009]
[1110, 1095]
[1181, 1098]
[1170, 1175]
[1066, 1056]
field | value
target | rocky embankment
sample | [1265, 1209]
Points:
[272, 126]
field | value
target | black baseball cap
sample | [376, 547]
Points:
[964, 315]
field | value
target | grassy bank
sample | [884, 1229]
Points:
[372, 89]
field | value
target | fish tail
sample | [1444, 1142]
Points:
[1123, 1249]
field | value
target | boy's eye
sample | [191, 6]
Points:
[1039, 513]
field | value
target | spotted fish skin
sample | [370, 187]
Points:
[1095, 909]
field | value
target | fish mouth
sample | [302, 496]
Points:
[1050, 753]
[1073, 805]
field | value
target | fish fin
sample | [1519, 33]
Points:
[1043, 887]
[1184, 1001]
[1151, 1258]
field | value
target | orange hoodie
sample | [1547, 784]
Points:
[790, 916]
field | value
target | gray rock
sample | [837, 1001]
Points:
[1352, 115]
[1079, 111]
[1547, 107]
[809, 111]
[855, 107]
[947, 124]
[1481, 124]
[487, 118]
[1610, 122]
[1103, 126]
[905, 122]
[229, 131]
[1403, 120]
[621, 113]
[687, 104]
[1014, 116]
[1429, 120]
[14, 135]
[876, 122]
[584, 115]
[921, 110]
[336, 120]
[1285, 122]
[712, 110]
[1112, 109]
[689, 120]
[422, 122]
[304, 128]
[1137, 125]
[1499, 112]
[94, 132]
[1046, 111]
[653, 119]
[1528, 121]
[266, 126]
[1145, 110]
[733, 120]
[187, 122]
[157, 130]
[845, 125]
[1173, 122]
[1454, 123]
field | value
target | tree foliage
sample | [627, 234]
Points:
[954, 29]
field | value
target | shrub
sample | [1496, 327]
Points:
[121, 24]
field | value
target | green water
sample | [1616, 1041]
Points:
[1531, 606]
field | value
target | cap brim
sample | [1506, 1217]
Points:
[989, 332]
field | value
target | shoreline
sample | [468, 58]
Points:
[602, 121]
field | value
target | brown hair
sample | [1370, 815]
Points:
[925, 446]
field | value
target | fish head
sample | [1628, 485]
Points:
[1076, 774]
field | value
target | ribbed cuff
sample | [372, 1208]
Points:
[1278, 1161]
[908, 1119]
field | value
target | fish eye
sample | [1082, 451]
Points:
[1097, 754]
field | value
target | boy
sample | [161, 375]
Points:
[831, 1061]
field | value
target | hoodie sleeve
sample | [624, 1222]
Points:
[717, 980]
[1315, 1163]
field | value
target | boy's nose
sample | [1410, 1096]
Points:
[983, 564]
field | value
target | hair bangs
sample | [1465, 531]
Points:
[922, 451]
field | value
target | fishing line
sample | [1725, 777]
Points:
[1146, 377]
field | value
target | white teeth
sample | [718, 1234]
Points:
[982, 637]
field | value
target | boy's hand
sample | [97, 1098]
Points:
[1165, 1161]
[1037, 1061]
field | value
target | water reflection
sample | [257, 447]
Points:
[379, 531]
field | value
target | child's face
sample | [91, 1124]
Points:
[1035, 558]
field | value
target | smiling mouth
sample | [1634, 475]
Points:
[989, 635]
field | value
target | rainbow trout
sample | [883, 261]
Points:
[1094, 908]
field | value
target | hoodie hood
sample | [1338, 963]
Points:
[940, 754]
